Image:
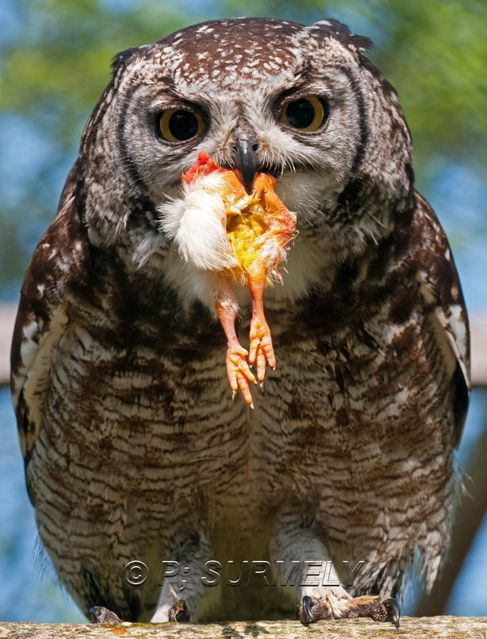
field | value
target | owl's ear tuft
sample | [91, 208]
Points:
[120, 60]
[339, 31]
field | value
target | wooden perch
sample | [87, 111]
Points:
[7, 318]
[411, 627]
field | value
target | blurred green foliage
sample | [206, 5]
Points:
[55, 57]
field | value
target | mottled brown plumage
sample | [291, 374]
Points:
[133, 448]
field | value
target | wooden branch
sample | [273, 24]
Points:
[7, 318]
[411, 627]
[478, 325]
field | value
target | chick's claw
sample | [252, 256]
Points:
[244, 387]
[261, 350]
[260, 364]
[239, 373]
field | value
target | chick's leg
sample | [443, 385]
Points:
[261, 349]
[238, 371]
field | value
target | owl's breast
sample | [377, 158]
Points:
[140, 400]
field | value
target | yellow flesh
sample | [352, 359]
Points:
[245, 228]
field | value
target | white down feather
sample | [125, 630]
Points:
[196, 223]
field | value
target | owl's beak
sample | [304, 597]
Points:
[246, 162]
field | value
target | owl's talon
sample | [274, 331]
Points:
[99, 614]
[307, 608]
[313, 609]
[395, 612]
[179, 612]
[377, 608]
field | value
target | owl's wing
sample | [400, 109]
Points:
[59, 261]
[442, 296]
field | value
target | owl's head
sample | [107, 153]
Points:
[302, 103]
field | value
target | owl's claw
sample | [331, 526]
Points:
[306, 603]
[395, 612]
[377, 608]
[312, 609]
[179, 612]
[99, 614]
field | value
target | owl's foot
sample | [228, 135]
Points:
[99, 614]
[238, 371]
[377, 608]
[178, 612]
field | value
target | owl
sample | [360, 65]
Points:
[133, 447]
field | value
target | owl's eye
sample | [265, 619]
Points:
[179, 125]
[305, 114]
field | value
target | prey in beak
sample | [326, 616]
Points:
[257, 229]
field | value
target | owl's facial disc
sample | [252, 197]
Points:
[295, 135]
[305, 97]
